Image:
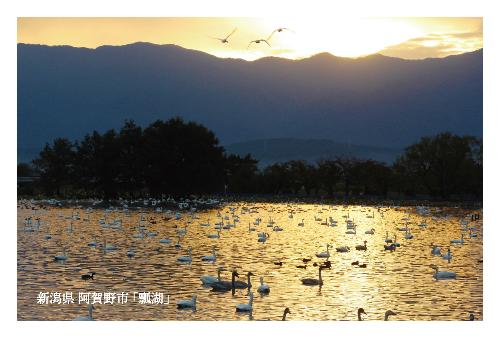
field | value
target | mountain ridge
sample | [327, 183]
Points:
[375, 100]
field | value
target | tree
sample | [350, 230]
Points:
[56, 165]
[443, 165]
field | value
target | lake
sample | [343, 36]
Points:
[400, 280]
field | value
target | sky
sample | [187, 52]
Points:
[409, 38]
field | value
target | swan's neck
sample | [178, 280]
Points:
[359, 316]
[386, 317]
[320, 279]
[250, 301]
[284, 316]
[218, 275]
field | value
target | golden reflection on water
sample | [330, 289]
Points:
[401, 281]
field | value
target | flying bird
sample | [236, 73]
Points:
[225, 40]
[258, 41]
[279, 30]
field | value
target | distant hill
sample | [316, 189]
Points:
[375, 100]
[280, 150]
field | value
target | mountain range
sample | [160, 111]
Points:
[377, 102]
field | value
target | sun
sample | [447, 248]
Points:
[342, 37]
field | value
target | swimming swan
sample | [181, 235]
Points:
[187, 303]
[186, 259]
[443, 274]
[211, 258]
[209, 280]
[246, 307]
[313, 281]
[263, 288]
[90, 307]
[324, 254]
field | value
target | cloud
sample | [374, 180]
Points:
[436, 45]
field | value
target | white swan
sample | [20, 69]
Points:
[186, 259]
[447, 255]
[436, 250]
[90, 307]
[62, 257]
[209, 280]
[408, 234]
[443, 274]
[246, 307]
[263, 288]
[182, 232]
[217, 235]
[370, 232]
[324, 254]
[165, 241]
[108, 247]
[458, 241]
[211, 258]
[250, 229]
[187, 303]
[301, 224]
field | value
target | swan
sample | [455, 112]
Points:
[246, 307]
[223, 286]
[287, 310]
[90, 307]
[165, 241]
[370, 232]
[262, 237]
[186, 259]
[361, 247]
[360, 312]
[443, 274]
[301, 224]
[93, 243]
[324, 254]
[277, 228]
[263, 288]
[108, 247]
[187, 303]
[471, 234]
[447, 255]
[243, 285]
[205, 224]
[458, 241]
[387, 239]
[217, 235]
[408, 234]
[182, 232]
[258, 41]
[313, 281]
[209, 280]
[211, 258]
[390, 247]
[351, 232]
[389, 313]
[436, 250]
[342, 249]
[130, 253]
[62, 257]
[250, 229]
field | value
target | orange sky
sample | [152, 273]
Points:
[411, 38]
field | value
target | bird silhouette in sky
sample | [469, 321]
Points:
[258, 41]
[279, 30]
[225, 40]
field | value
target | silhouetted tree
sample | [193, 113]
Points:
[56, 165]
[442, 165]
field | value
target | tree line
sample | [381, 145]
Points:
[174, 158]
